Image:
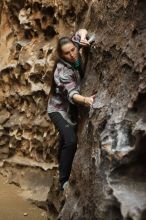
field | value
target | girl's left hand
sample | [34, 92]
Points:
[88, 101]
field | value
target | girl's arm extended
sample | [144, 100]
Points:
[84, 100]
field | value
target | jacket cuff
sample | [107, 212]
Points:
[71, 94]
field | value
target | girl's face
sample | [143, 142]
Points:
[70, 52]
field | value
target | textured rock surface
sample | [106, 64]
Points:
[110, 183]
[29, 30]
[109, 171]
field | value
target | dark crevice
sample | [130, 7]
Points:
[49, 32]
[38, 23]
[28, 35]
[141, 148]
[36, 78]
[134, 33]
[37, 6]
[143, 217]
[44, 19]
[48, 11]
[126, 68]
[114, 213]
[140, 103]
[52, 208]
[54, 20]
[70, 16]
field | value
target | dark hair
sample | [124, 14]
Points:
[62, 41]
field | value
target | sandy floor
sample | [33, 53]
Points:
[14, 207]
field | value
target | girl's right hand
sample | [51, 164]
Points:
[84, 42]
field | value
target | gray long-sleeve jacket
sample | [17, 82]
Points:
[67, 83]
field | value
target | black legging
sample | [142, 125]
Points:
[68, 145]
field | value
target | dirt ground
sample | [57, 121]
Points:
[14, 207]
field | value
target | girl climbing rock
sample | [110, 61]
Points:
[65, 97]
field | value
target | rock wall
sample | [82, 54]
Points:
[110, 183]
[109, 170]
[28, 143]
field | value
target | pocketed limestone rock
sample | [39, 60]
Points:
[108, 176]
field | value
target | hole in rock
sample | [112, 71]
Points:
[44, 19]
[102, 125]
[54, 20]
[134, 33]
[113, 212]
[143, 217]
[49, 51]
[48, 11]
[37, 94]
[141, 145]
[38, 23]
[35, 34]
[37, 6]
[49, 32]
[126, 68]
[18, 47]
[107, 55]
[70, 15]
[17, 3]
[41, 54]
[27, 34]
[140, 103]
[36, 78]
[52, 208]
